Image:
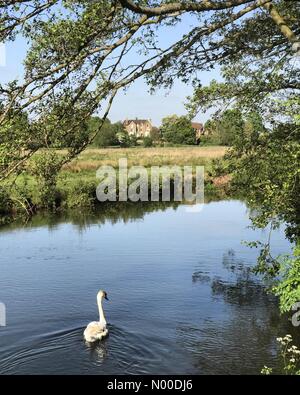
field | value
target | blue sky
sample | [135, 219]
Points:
[136, 101]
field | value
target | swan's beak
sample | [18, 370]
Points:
[105, 297]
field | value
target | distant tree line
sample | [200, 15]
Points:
[226, 128]
[175, 130]
[223, 129]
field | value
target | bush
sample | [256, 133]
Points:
[6, 203]
[289, 355]
[147, 142]
[133, 141]
[178, 130]
[45, 168]
[107, 136]
[288, 287]
[124, 139]
[155, 134]
[81, 194]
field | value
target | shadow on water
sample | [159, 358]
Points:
[247, 318]
[242, 288]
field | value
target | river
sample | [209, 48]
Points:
[182, 296]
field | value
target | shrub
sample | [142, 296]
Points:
[290, 357]
[133, 141]
[178, 130]
[6, 203]
[147, 142]
[81, 194]
[107, 136]
[45, 168]
[124, 139]
[288, 287]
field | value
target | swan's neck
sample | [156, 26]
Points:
[101, 312]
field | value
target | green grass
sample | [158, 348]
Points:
[76, 182]
[92, 159]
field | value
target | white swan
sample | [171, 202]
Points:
[97, 330]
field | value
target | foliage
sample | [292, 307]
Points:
[45, 166]
[147, 142]
[178, 130]
[16, 137]
[267, 165]
[63, 125]
[290, 356]
[124, 139]
[108, 133]
[133, 141]
[155, 134]
[287, 286]
[231, 125]
[81, 53]
[6, 203]
[224, 129]
[81, 194]
[260, 75]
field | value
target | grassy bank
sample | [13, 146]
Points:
[76, 182]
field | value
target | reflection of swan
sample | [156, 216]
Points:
[97, 330]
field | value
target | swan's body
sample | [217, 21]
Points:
[97, 330]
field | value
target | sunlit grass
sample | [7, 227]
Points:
[92, 159]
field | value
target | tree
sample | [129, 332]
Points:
[77, 49]
[230, 125]
[108, 135]
[265, 164]
[178, 130]
[80, 57]
[225, 128]
[155, 134]
[124, 139]
[147, 142]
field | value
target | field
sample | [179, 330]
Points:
[92, 159]
[77, 180]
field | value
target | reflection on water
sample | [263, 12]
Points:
[249, 323]
[83, 219]
[183, 298]
[243, 288]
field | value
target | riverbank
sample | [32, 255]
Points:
[75, 185]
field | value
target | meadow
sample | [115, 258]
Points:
[76, 183]
[92, 158]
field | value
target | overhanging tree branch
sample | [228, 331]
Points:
[187, 6]
[281, 23]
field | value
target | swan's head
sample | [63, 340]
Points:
[102, 295]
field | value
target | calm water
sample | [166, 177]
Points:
[182, 299]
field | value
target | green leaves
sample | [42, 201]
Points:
[178, 130]
[45, 166]
[290, 356]
[288, 285]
